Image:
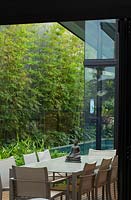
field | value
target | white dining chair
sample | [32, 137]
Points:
[44, 155]
[102, 153]
[5, 165]
[30, 158]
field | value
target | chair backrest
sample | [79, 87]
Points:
[115, 161]
[103, 172]
[102, 153]
[30, 182]
[105, 164]
[44, 155]
[113, 174]
[101, 177]
[86, 183]
[89, 168]
[5, 165]
[30, 158]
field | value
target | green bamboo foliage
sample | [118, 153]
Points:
[41, 81]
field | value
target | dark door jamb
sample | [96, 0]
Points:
[124, 121]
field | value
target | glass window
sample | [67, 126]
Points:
[108, 90]
[100, 39]
[99, 105]
[90, 107]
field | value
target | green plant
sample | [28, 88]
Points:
[76, 133]
[41, 70]
[56, 154]
[18, 148]
[55, 138]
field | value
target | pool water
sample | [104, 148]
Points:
[85, 146]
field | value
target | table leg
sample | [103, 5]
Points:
[53, 176]
[74, 186]
[11, 185]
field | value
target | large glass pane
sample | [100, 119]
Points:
[90, 107]
[99, 106]
[100, 39]
[108, 92]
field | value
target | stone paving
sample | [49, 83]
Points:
[5, 196]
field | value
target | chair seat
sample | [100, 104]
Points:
[55, 194]
[38, 199]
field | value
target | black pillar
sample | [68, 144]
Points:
[99, 110]
[124, 126]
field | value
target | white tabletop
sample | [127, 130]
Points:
[59, 164]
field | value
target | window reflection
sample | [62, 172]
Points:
[100, 39]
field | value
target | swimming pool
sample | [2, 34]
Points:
[84, 147]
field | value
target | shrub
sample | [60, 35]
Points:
[18, 148]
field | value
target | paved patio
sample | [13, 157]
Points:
[5, 196]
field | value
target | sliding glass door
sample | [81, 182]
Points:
[100, 79]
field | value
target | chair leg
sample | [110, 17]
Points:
[109, 191]
[96, 194]
[92, 194]
[114, 190]
[103, 188]
[89, 195]
[53, 175]
[78, 196]
[67, 196]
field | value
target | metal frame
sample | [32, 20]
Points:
[116, 108]
[99, 111]
[99, 62]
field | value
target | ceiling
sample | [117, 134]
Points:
[14, 11]
[78, 28]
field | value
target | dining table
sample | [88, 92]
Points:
[60, 165]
